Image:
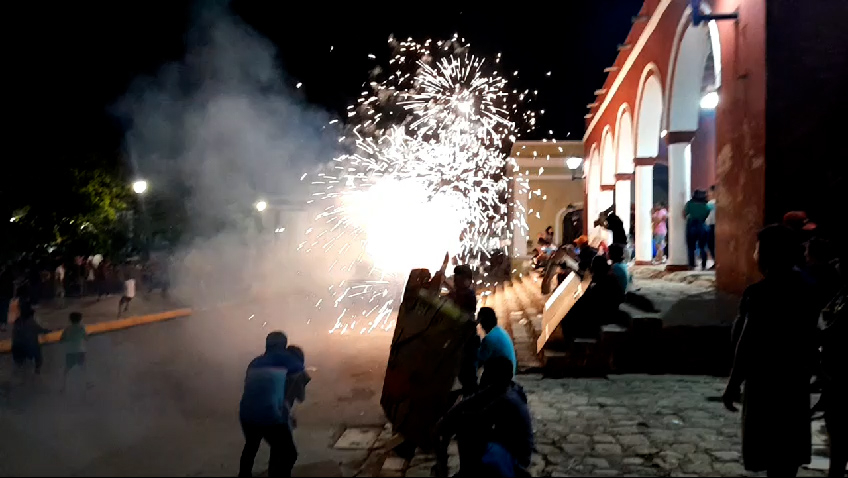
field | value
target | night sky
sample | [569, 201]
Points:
[72, 61]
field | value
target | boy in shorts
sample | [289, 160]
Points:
[127, 297]
[74, 337]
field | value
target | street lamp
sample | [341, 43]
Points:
[261, 206]
[573, 162]
[139, 186]
[709, 101]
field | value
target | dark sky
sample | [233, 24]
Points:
[71, 62]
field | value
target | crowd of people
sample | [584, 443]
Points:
[791, 328]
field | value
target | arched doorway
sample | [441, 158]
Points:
[690, 92]
[594, 187]
[648, 131]
[624, 166]
[606, 196]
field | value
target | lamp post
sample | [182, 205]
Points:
[710, 100]
[573, 163]
[139, 187]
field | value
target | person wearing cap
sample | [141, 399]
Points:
[711, 222]
[801, 225]
[263, 410]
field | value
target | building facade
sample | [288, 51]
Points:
[692, 93]
[547, 177]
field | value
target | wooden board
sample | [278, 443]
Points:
[558, 305]
[423, 362]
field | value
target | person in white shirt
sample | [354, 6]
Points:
[710, 222]
[129, 294]
[59, 284]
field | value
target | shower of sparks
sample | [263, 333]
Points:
[426, 173]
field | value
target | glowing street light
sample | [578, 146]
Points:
[139, 186]
[573, 162]
[261, 206]
[709, 101]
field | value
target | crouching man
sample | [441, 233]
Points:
[264, 412]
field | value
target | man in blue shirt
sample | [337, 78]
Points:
[263, 410]
[619, 268]
[496, 343]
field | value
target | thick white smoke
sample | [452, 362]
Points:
[216, 132]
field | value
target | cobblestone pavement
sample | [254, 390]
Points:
[53, 316]
[630, 426]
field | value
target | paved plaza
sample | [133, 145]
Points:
[632, 425]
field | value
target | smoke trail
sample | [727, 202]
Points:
[213, 134]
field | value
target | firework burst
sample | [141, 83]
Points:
[426, 174]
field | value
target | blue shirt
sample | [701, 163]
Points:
[622, 275]
[264, 399]
[497, 343]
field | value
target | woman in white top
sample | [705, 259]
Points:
[710, 222]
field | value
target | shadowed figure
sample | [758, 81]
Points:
[264, 411]
[834, 372]
[493, 428]
[774, 337]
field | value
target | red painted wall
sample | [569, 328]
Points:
[703, 152]
[739, 145]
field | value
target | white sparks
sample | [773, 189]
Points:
[425, 176]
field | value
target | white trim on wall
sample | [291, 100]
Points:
[631, 59]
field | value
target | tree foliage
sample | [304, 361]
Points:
[74, 210]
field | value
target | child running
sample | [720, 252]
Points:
[25, 338]
[127, 297]
[74, 337]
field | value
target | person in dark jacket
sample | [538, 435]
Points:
[465, 298]
[493, 427]
[25, 332]
[263, 411]
[616, 226]
[598, 306]
[775, 341]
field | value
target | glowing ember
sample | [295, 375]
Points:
[426, 175]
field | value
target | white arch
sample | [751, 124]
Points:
[606, 198]
[687, 79]
[692, 47]
[624, 141]
[649, 113]
[649, 117]
[624, 164]
[688, 59]
[560, 215]
[607, 157]
[594, 186]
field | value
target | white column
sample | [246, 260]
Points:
[644, 203]
[520, 193]
[622, 202]
[679, 191]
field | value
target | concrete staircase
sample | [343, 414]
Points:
[519, 304]
[685, 336]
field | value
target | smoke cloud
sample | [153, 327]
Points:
[216, 132]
